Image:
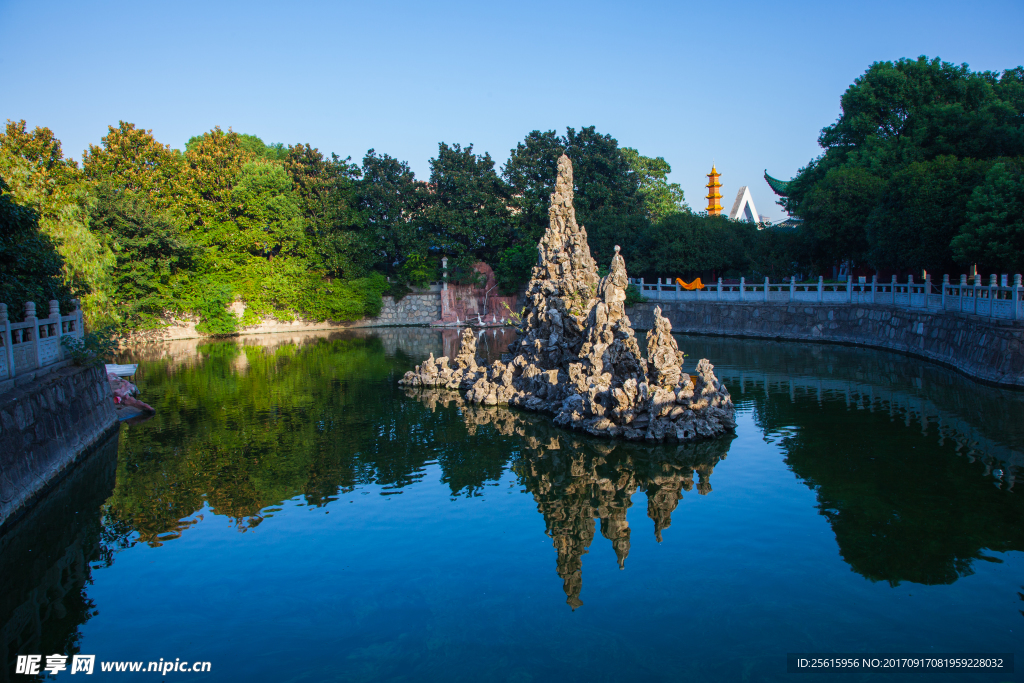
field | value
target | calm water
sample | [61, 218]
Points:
[291, 514]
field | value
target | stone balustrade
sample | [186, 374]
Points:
[997, 299]
[35, 343]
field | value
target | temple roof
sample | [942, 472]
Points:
[779, 187]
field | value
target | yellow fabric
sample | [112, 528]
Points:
[696, 284]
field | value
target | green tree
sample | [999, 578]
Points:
[907, 131]
[608, 199]
[530, 173]
[922, 208]
[327, 190]
[213, 162]
[151, 257]
[131, 159]
[390, 202]
[836, 211]
[41, 178]
[514, 267]
[31, 267]
[689, 245]
[467, 213]
[252, 144]
[994, 234]
[660, 197]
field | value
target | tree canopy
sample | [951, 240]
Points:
[915, 140]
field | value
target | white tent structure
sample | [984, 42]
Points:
[743, 208]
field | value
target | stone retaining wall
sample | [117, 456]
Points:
[45, 427]
[412, 309]
[982, 348]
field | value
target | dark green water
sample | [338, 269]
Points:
[291, 514]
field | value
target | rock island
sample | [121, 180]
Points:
[576, 355]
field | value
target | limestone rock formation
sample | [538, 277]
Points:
[576, 355]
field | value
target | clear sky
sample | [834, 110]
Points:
[746, 85]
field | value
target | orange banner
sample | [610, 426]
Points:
[696, 284]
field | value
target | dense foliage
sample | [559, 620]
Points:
[921, 171]
[232, 229]
[31, 268]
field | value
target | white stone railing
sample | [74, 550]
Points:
[997, 299]
[34, 343]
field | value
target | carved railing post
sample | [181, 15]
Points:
[743, 286]
[977, 291]
[53, 327]
[33, 331]
[1016, 296]
[5, 324]
[821, 288]
[993, 293]
[874, 286]
[766, 288]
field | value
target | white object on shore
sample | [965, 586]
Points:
[122, 370]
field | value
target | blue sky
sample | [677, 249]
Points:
[746, 85]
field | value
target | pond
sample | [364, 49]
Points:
[291, 514]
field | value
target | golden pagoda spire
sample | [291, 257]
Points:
[714, 203]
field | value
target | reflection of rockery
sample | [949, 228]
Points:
[576, 355]
[575, 482]
[475, 304]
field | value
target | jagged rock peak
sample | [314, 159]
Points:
[576, 355]
[564, 253]
[665, 360]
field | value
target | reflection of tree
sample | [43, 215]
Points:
[984, 421]
[246, 427]
[576, 480]
[46, 562]
[903, 508]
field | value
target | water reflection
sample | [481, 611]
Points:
[913, 465]
[243, 426]
[577, 481]
[902, 456]
[984, 422]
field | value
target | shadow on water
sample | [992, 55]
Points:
[47, 559]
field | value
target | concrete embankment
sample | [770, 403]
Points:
[981, 348]
[46, 426]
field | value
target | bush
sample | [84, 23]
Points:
[418, 271]
[214, 315]
[95, 347]
[634, 296]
